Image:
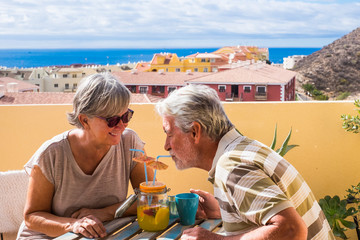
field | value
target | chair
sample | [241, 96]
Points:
[13, 189]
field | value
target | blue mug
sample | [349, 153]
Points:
[187, 205]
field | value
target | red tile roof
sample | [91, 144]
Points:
[157, 78]
[250, 74]
[22, 98]
[21, 85]
[142, 66]
[37, 98]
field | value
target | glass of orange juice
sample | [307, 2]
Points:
[152, 207]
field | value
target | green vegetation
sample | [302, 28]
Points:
[337, 211]
[313, 92]
[336, 214]
[284, 147]
[343, 95]
[352, 123]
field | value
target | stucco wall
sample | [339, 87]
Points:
[328, 157]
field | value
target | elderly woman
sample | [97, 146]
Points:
[79, 178]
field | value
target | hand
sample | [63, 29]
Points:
[199, 233]
[100, 214]
[89, 227]
[208, 205]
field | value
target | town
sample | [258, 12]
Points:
[237, 73]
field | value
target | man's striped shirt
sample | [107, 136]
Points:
[253, 183]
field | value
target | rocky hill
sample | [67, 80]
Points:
[335, 68]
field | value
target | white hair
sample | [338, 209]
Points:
[99, 95]
[196, 103]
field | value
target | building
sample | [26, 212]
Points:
[289, 62]
[12, 85]
[155, 83]
[251, 82]
[58, 79]
[243, 53]
[205, 62]
[255, 82]
[22, 98]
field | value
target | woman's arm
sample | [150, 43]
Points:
[38, 216]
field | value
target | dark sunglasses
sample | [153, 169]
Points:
[113, 121]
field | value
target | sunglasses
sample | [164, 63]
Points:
[113, 121]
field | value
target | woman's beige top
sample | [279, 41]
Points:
[73, 188]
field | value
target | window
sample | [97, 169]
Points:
[66, 86]
[196, 69]
[65, 75]
[177, 70]
[83, 74]
[206, 70]
[133, 89]
[171, 89]
[162, 89]
[56, 85]
[22, 75]
[143, 90]
[153, 89]
[222, 88]
[38, 75]
[212, 60]
[260, 89]
[74, 75]
[214, 69]
[203, 60]
[74, 85]
[167, 70]
[247, 89]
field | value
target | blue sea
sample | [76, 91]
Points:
[25, 58]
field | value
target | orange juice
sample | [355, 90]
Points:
[153, 218]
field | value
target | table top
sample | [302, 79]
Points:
[128, 227]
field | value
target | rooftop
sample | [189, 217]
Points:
[157, 78]
[21, 85]
[23, 98]
[255, 74]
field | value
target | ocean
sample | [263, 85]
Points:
[26, 58]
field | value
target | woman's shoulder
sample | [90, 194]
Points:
[55, 141]
[128, 132]
[129, 136]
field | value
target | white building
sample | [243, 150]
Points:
[289, 62]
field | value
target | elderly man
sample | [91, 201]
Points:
[257, 193]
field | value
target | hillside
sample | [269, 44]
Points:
[335, 68]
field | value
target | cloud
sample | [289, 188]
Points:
[180, 21]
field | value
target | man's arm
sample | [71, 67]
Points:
[285, 225]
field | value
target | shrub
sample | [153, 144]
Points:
[343, 96]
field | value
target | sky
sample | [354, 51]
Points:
[174, 23]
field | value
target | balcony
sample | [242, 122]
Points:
[260, 96]
[327, 157]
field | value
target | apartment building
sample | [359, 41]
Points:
[204, 62]
[245, 82]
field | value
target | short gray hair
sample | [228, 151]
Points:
[99, 95]
[196, 103]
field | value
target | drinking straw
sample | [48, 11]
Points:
[138, 150]
[157, 158]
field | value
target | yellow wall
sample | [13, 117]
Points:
[328, 157]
